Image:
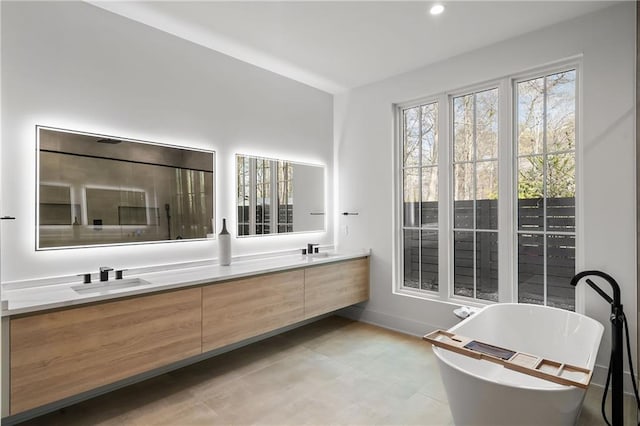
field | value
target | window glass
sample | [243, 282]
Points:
[420, 196]
[546, 189]
[475, 195]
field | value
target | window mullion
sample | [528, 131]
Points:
[445, 288]
[474, 126]
[506, 193]
[421, 198]
[402, 136]
[545, 194]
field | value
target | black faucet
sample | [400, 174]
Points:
[616, 363]
[104, 273]
[310, 248]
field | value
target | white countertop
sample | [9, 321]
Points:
[49, 296]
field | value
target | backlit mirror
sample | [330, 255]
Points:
[277, 196]
[96, 190]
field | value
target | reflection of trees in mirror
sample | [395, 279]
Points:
[285, 197]
[242, 201]
[265, 196]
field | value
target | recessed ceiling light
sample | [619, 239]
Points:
[436, 9]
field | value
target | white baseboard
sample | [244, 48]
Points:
[399, 324]
[417, 328]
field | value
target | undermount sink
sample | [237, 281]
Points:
[105, 287]
[321, 255]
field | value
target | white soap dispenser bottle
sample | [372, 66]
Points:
[224, 245]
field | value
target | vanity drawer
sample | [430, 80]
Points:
[240, 309]
[331, 287]
[62, 353]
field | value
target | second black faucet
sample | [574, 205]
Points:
[104, 273]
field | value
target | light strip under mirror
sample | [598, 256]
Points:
[276, 197]
[97, 190]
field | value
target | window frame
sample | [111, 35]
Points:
[398, 206]
[507, 186]
[399, 151]
[473, 90]
[579, 302]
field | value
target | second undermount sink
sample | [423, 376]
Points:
[105, 287]
[321, 255]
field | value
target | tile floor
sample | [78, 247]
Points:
[333, 371]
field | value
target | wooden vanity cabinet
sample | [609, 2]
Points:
[62, 353]
[244, 308]
[334, 286]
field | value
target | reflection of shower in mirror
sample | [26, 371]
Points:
[167, 210]
[96, 189]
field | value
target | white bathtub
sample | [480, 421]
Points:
[484, 393]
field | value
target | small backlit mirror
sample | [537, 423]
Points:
[278, 196]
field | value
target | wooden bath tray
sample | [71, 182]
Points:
[542, 368]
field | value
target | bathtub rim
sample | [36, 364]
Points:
[555, 387]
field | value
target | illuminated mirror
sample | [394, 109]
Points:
[277, 196]
[97, 190]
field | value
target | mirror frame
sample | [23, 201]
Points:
[38, 127]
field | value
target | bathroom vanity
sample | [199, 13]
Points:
[67, 344]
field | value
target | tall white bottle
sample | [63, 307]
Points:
[224, 245]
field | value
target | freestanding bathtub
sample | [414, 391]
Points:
[484, 393]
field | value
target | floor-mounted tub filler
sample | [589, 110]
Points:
[486, 393]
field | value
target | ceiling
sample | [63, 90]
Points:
[335, 46]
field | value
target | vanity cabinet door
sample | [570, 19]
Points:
[244, 308]
[62, 353]
[335, 286]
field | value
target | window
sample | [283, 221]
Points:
[537, 233]
[475, 200]
[546, 131]
[420, 195]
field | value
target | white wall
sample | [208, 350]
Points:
[75, 66]
[363, 135]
